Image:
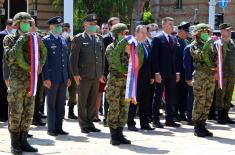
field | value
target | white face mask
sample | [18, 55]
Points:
[153, 34]
[13, 31]
[65, 35]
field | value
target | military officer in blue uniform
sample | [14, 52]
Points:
[189, 69]
[181, 87]
[56, 76]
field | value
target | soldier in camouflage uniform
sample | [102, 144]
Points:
[21, 105]
[117, 54]
[224, 96]
[204, 59]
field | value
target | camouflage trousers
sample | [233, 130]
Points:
[73, 89]
[21, 107]
[203, 90]
[115, 95]
[224, 97]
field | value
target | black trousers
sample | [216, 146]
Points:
[151, 98]
[180, 104]
[39, 99]
[169, 84]
[3, 102]
[144, 103]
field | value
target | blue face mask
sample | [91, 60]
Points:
[13, 31]
[92, 28]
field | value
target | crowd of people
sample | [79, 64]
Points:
[181, 74]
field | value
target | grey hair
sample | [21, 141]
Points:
[164, 20]
[139, 27]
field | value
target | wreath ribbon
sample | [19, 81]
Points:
[34, 62]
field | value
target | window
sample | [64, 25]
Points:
[179, 4]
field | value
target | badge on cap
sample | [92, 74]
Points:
[59, 20]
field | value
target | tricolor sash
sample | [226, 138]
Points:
[219, 44]
[34, 62]
[132, 75]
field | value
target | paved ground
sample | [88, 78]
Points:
[161, 141]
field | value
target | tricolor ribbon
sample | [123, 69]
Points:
[132, 74]
[34, 62]
[219, 46]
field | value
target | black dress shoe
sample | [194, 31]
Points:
[52, 133]
[172, 124]
[42, 115]
[29, 136]
[180, 118]
[38, 122]
[3, 119]
[96, 120]
[147, 127]
[94, 129]
[157, 125]
[85, 130]
[72, 117]
[132, 128]
[62, 132]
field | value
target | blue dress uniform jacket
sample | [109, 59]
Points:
[189, 69]
[57, 68]
[182, 45]
[188, 64]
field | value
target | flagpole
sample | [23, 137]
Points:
[68, 13]
[212, 13]
[8, 9]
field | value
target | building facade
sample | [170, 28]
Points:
[43, 9]
[189, 10]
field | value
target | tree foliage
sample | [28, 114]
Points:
[103, 8]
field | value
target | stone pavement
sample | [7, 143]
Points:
[161, 141]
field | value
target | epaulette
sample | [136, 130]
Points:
[46, 37]
[78, 35]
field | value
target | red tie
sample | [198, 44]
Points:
[170, 41]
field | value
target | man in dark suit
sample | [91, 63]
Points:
[56, 74]
[152, 31]
[3, 93]
[143, 87]
[166, 71]
[108, 39]
[144, 95]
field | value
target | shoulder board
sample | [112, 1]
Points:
[78, 35]
[46, 37]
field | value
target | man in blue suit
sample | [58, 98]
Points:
[188, 70]
[165, 71]
[56, 74]
[3, 93]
